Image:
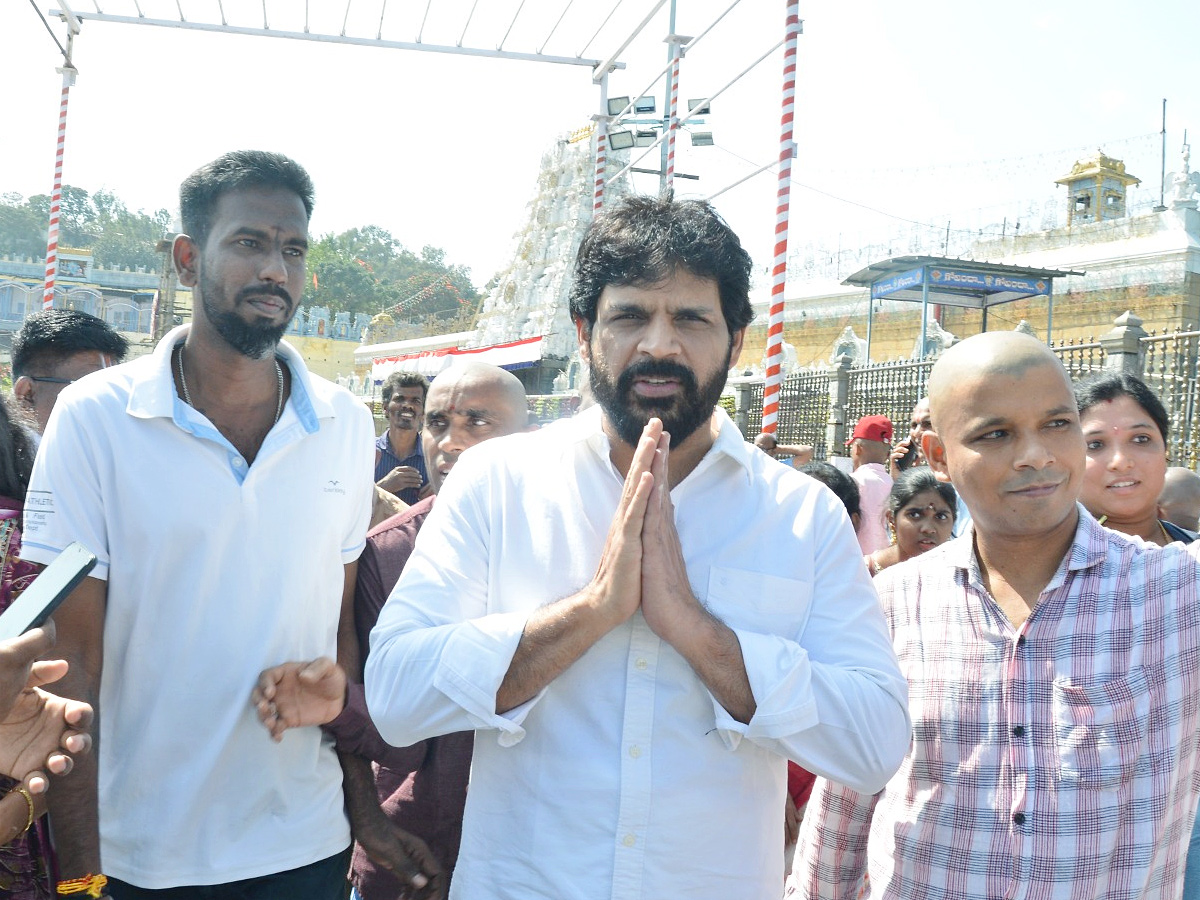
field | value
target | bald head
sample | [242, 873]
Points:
[1006, 433]
[994, 354]
[483, 376]
[469, 403]
[1180, 499]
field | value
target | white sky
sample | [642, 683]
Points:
[925, 110]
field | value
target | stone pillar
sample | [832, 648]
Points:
[839, 395]
[741, 415]
[1123, 348]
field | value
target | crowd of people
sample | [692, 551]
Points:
[601, 659]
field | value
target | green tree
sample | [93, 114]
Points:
[125, 238]
[116, 236]
[366, 270]
[22, 231]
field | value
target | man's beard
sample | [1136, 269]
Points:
[252, 339]
[682, 414]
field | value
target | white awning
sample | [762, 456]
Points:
[513, 355]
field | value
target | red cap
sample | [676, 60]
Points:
[873, 428]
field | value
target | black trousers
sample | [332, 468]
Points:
[322, 880]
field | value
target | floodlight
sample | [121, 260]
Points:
[699, 107]
[620, 140]
[644, 106]
[645, 138]
[616, 104]
[702, 139]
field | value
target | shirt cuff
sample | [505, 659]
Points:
[781, 681]
[475, 660]
[347, 727]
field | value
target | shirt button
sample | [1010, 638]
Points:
[641, 664]
[629, 840]
[1021, 641]
[1018, 818]
[1018, 731]
[239, 463]
[635, 751]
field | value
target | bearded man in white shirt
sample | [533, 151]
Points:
[641, 615]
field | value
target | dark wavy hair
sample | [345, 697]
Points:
[200, 191]
[918, 480]
[1110, 386]
[643, 240]
[837, 481]
[16, 456]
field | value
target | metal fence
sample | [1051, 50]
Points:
[1080, 358]
[891, 389]
[1169, 368]
[803, 409]
[820, 407]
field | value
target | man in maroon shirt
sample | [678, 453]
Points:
[418, 791]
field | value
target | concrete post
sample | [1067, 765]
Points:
[741, 416]
[839, 395]
[1123, 348]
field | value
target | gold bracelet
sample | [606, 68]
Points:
[92, 885]
[20, 789]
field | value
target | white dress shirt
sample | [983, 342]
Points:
[625, 778]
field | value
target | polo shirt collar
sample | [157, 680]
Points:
[152, 390]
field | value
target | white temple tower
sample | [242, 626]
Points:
[530, 296]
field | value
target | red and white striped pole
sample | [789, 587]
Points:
[668, 180]
[770, 418]
[68, 74]
[601, 146]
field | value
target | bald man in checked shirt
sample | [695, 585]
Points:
[1054, 673]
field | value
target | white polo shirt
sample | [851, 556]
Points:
[215, 571]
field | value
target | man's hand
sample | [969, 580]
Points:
[557, 634]
[400, 478]
[42, 729]
[670, 607]
[406, 856]
[618, 581]
[17, 659]
[295, 694]
[897, 461]
[791, 822]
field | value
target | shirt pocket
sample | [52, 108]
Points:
[754, 601]
[1101, 728]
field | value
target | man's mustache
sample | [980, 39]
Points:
[657, 368]
[269, 290]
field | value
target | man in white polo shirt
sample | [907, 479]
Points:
[226, 492]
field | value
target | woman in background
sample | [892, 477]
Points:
[920, 514]
[24, 857]
[1125, 429]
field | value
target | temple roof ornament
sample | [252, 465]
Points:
[1185, 183]
[1099, 165]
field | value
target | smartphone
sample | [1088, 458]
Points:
[47, 591]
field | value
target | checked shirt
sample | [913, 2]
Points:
[1054, 760]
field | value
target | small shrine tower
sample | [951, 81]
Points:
[1096, 189]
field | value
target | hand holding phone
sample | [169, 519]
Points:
[48, 590]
